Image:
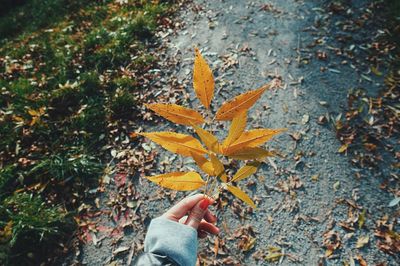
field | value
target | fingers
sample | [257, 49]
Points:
[204, 228]
[209, 217]
[197, 213]
[208, 228]
[183, 207]
[201, 234]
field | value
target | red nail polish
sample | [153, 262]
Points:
[204, 204]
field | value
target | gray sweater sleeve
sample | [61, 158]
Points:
[176, 241]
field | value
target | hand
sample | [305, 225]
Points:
[193, 211]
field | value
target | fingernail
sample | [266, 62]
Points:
[204, 204]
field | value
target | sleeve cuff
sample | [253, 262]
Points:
[174, 240]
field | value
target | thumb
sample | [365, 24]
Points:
[197, 213]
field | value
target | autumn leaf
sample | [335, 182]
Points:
[237, 192]
[240, 103]
[36, 115]
[250, 153]
[361, 219]
[252, 138]
[238, 144]
[219, 169]
[362, 241]
[361, 261]
[343, 148]
[177, 114]
[182, 181]
[249, 244]
[176, 142]
[208, 139]
[237, 127]
[205, 165]
[245, 171]
[203, 80]
[274, 254]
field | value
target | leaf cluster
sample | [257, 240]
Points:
[239, 143]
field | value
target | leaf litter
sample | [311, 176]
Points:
[333, 240]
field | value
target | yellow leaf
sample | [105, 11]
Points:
[361, 219]
[176, 142]
[33, 112]
[250, 153]
[6, 232]
[376, 71]
[203, 80]
[343, 148]
[177, 113]
[252, 138]
[219, 169]
[271, 257]
[237, 192]
[208, 139]
[237, 127]
[178, 180]
[35, 119]
[328, 253]
[17, 118]
[203, 163]
[249, 244]
[245, 171]
[42, 110]
[240, 103]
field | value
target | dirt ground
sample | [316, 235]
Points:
[307, 197]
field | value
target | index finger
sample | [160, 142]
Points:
[183, 207]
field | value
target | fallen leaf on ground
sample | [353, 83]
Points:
[362, 241]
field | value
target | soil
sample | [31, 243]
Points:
[302, 195]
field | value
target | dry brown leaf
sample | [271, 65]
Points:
[361, 261]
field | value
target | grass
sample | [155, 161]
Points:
[61, 86]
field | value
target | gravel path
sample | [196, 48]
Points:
[302, 197]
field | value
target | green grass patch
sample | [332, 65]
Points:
[60, 88]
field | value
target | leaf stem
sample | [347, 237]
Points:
[205, 189]
[214, 183]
